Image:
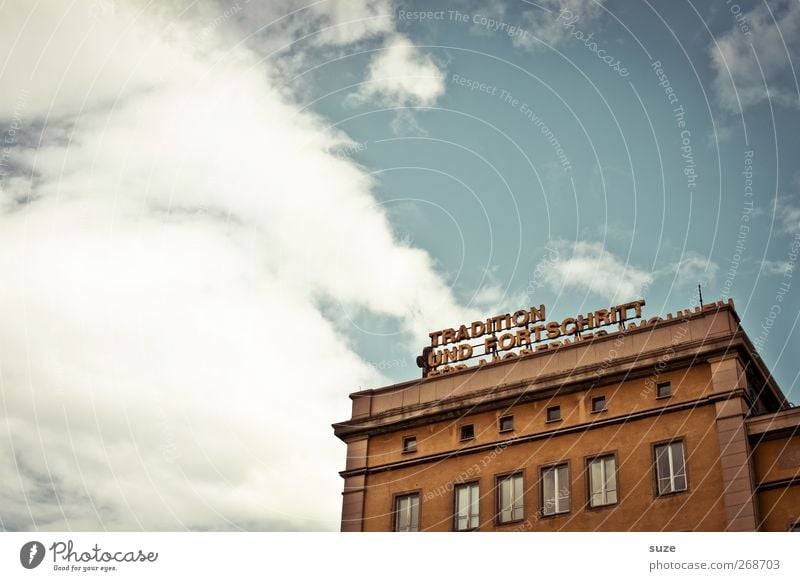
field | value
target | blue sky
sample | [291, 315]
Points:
[477, 184]
[218, 219]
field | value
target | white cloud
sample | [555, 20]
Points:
[165, 363]
[402, 75]
[547, 24]
[590, 267]
[62, 60]
[774, 267]
[347, 21]
[739, 58]
[286, 26]
[692, 268]
[789, 218]
[587, 266]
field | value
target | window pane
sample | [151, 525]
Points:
[402, 513]
[562, 489]
[611, 476]
[595, 483]
[662, 470]
[549, 491]
[462, 501]
[517, 484]
[611, 479]
[414, 525]
[505, 500]
[678, 466]
[474, 506]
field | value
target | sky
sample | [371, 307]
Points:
[218, 219]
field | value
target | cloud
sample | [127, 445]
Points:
[774, 267]
[546, 21]
[284, 26]
[783, 212]
[692, 268]
[344, 22]
[587, 266]
[789, 218]
[169, 236]
[401, 75]
[769, 46]
[70, 64]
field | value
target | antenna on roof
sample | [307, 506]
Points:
[700, 290]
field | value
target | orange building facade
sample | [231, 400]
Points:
[666, 424]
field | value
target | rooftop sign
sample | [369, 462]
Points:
[516, 335]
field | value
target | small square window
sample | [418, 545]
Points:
[664, 389]
[598, 403]
[507, 424]
[554, 413]
[467, 432]
[409, 444]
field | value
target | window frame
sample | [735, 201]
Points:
[461, 428]
[474, 482]
[653, 446]
[668, 384]
[588, 478]
[406, 440]
[395, 513]
[547, 419]
[552, 466]
[596, 398]
[498, 479]
[500, 428]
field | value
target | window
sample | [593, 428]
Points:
[598, 403]
[406, 513]
[507, 424]
[664, 389]
[467, 432]
[554, 413]
[602, 481]
[409, 444]
[555, 490]
[670, 468]
[510, 498]
[467, 509]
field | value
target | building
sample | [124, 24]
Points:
[670, 424]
